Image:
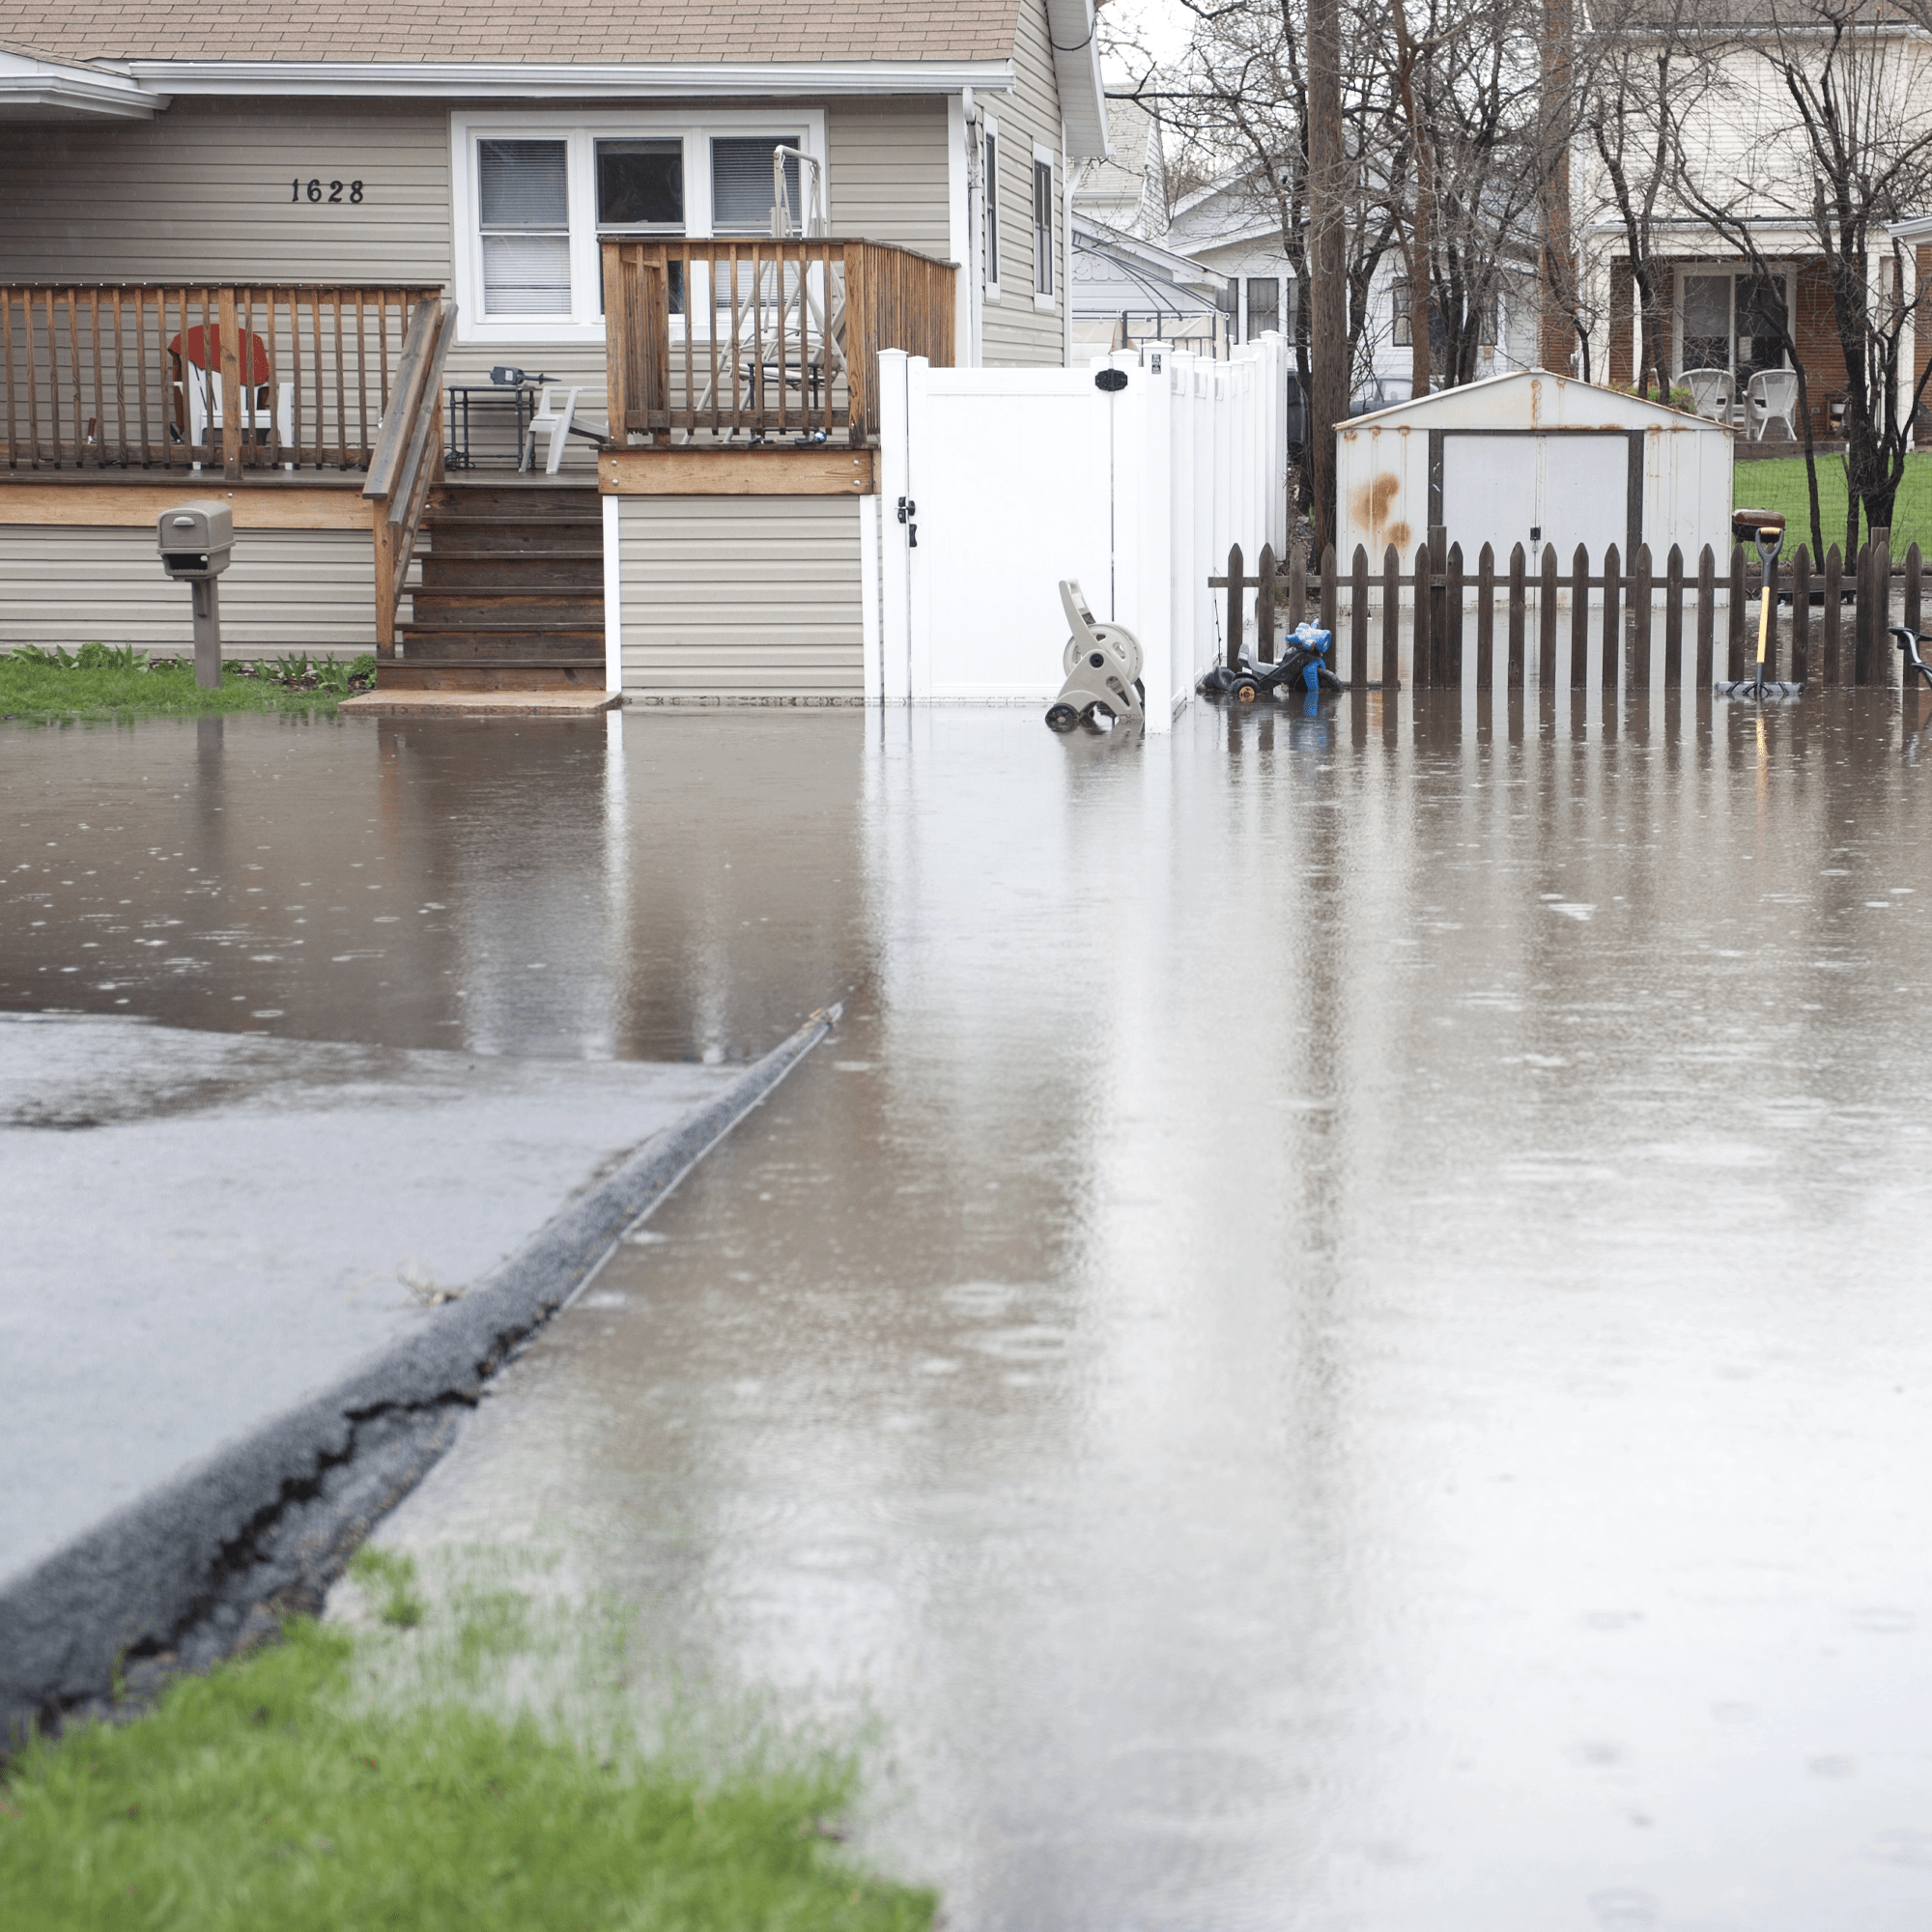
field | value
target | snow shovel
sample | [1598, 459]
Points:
[1767, 527]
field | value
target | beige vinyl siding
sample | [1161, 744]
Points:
[1016, 334]
[202, 191]
[287, 590]
[742, 597]
[886, 167]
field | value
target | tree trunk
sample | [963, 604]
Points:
[1328, 272]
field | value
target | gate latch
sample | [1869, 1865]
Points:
[908, 510]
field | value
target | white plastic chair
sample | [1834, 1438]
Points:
[1772, 396]
[1713, 394]
[204, 411]
[553, 420]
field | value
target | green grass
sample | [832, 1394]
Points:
[1779, 484]
[268, 1794]
[102, 682]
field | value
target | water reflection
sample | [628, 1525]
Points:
[1337, 1342]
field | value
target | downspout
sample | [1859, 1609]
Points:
[1065, 188]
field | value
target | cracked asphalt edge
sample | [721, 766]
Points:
[206, 1562]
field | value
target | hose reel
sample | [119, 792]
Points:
[1102, 663]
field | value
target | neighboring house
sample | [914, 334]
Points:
[1728, 315]
[318, 173]
[1129, 283]
[1232, 231]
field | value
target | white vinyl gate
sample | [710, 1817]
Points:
[994, 484]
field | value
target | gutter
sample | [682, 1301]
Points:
[71, 87]
[538, 81]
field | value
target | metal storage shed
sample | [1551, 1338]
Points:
[1533, 459]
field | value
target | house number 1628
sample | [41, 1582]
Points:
[322, 190]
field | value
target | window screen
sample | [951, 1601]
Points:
[993, 210]
[1264, 305]
[523, 217]
[1042, 228]
[741, 186]
[640, 184]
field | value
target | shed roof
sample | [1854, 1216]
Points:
[561, 31]
[1528, 399]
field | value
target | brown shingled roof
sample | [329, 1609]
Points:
[559, 31]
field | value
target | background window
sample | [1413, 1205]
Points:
[1043, 227]
[640, 184]
[993, 209]
[741, 186]
[524, 216]
[1707, 321]
[1400, 333]
[1264, 305]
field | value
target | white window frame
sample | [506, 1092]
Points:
[1045, 156]
[990, 200]
[800, 128]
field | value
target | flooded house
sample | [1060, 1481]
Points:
[530, 352]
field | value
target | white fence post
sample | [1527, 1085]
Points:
[919, 599]
[894, 587]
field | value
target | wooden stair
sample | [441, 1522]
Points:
[512, 592]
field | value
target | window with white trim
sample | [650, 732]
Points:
[534, 195]
[1042, 227]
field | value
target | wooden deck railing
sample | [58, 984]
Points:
[721, 338]
[407, 458]
[123, 376]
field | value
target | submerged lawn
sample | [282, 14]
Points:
[97, 682]
[1779, 484]
[261, 1795]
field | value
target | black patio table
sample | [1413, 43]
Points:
[522, 395]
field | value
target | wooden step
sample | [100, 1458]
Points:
[529, 506]
[508, 647]
[534, 570]
[499, 537]
[496, 610]
[488, 675]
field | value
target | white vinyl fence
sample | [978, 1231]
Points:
[994, 484]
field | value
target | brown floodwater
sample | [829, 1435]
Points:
[1341, 1339]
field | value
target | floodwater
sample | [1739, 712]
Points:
[1340, 1338]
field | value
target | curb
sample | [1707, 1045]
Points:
[189, 1571]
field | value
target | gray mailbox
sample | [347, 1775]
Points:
[197, 542]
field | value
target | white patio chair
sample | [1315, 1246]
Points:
[1772, 396]
[554, 421]
[205, 410]
[1713, 394]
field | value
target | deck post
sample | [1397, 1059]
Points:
[232, 417]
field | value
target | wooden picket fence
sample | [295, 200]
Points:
[1522, 608]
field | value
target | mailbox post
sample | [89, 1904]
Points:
[195, 541]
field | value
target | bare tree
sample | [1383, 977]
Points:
[1473, 114]
[1241, 105]
[1850, 153]
[1648, 74]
